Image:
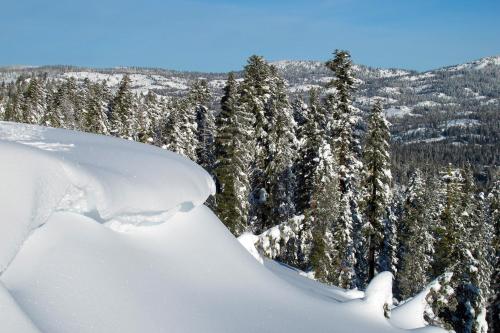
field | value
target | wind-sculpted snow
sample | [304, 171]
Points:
[115, 181]
[65, 270]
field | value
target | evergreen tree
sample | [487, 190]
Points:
[255, 93]
[388, 260]
[281, 180]
[122, 118]
[326, 257]
[460, 253]
[173, 134]
[199, 97]
[493, 204]
[54, 117]
[68, 103]
[34, 102]
[181, 130]
[449, 222]
[233, 144]
[95, 118]
[416, 240]
[313, 134]
[376, 183]
[14, 101]
[344, 120]
[147, 118]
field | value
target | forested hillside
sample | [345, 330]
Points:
[447, 115]
[340, 170]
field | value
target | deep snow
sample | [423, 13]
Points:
[104, 235]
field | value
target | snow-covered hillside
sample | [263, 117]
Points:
[104, 235]
[412, 99]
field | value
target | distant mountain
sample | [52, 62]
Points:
[451, 114]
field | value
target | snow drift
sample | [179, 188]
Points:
[103, 235]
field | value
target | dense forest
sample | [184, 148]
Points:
[312, 175]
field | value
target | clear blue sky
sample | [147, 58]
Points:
[218, 35]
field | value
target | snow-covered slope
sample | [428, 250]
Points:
[103, 235]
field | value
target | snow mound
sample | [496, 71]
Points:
[248, 240]
[379, 291]
[117, 182]
[410, 314]
[12, 318]
[180, 271]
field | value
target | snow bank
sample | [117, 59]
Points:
[379, 292]
[248, 240]
[68, 271]
[118, 182]
[12, 318]
[410, 314]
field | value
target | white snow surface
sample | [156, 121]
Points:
[410, 314]
[67, 265]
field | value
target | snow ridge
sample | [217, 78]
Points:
[81, 176]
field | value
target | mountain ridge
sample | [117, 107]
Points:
[495, 59]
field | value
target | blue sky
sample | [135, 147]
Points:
[219, 35]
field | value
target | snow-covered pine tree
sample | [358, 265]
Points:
[95, 119]
[326, 257]
[255, 93]
[493, 203]
[281, 180]
[388, 260]
[480, 236]
[172, 138]
[415, 240]
[147, 114]
[181, 131]
[162, 121]
[233, 143]
[121, 111]
[345, 117]
[313, 134]
[70, 103]
[459, 251]
[199, 97]
[447, 230]
[14, 102]
[377, 185]
[54, 117]
[332, 253]
[34, 101]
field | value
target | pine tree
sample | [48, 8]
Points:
[416, 240]
[313, 135]
[233, 144]
[326, 255]
[54, 117]
[255, 93]
[173, 135]
[388, 253]
[460, 252]
[447, 231]
[493, 203]
[344, 120]
[147, 118]
[181, 130]
[377, 182]
[34, 102]
[479, 235]
[95, 119]
[122, 118]
[281, 180]
[199, 97]
[14, 101]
